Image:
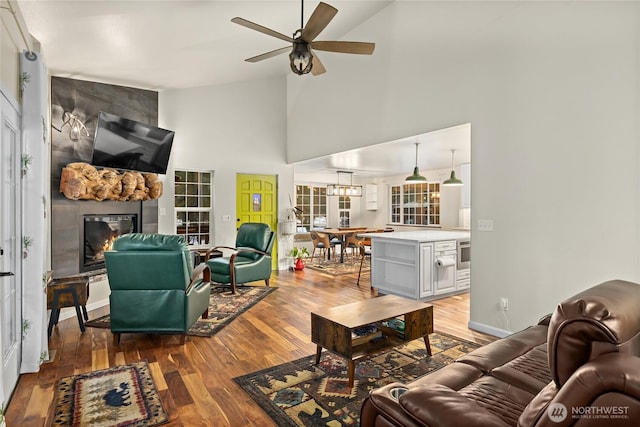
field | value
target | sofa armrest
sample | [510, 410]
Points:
[428, 404]
[201, 270]
[609, 381]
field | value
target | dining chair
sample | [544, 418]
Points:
[352, 242]
[365, 251]
[322, 243]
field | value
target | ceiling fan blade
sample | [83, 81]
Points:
[362, 48]
[269, 54]
[261, 29]
[317, 67]
[320, 18]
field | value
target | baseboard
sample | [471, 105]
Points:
[489, 330]
[69, 312]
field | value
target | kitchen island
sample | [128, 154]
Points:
[421, 265]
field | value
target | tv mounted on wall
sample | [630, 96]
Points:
[127, 144]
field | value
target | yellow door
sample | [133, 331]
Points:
[257, 201]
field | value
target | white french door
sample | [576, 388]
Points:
[10, 247]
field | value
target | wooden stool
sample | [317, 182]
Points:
[67, 292]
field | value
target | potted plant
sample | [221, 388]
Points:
[299, 254]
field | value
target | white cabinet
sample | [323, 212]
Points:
[425, 282]
[417, 269]
[463, 279]
[445, 267]
[394, 267]
[371, 196]
[465, 194]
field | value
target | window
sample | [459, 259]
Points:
[344, 210]
[193, 204]
[313, 203]
[415, 204]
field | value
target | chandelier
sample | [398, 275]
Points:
[340, 189]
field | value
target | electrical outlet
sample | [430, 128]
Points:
[504, 304]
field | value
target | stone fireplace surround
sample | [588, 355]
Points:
[85, 100]
[67, 229]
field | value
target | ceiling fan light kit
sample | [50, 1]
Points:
[302, 59]
[452, 181]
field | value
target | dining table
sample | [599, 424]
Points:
[341, 234]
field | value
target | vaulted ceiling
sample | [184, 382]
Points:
[168, 44]
[174, 44]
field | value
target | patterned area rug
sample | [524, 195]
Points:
[338, 268]
[299, 393]
[122, 396]
[223, 308]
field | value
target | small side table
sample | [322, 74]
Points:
[198, 254]
[67, 292]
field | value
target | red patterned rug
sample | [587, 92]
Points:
[223, 308]
[121, 396]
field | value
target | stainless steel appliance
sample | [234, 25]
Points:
[464, 254]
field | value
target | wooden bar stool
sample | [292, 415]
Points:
[67, 292]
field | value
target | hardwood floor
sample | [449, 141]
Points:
[195, 381]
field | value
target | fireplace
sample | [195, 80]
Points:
[99, 232]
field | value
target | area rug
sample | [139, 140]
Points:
[122, 396]
[223, 308]
[299, 393]
[338, 268]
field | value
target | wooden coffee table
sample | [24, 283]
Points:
[332, 328]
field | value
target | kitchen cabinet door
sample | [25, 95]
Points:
[425, 278]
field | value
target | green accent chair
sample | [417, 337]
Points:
[250, 260]
[154, 287]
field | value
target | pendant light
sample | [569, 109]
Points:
[452, 181]
[348, 190]
[415, 177]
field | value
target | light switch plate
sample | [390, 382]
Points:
[485, 225]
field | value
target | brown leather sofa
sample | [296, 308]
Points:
[579, 366]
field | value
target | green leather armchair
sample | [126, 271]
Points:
[154, 287]
[250, 260]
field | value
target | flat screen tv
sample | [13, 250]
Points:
[122, 143]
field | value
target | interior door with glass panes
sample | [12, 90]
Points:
[10, 247]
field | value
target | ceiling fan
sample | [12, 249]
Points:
[302, 58]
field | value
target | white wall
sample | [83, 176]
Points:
[551, 91]
[10, 47]
[231, 129]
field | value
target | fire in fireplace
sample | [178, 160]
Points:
[99, 233]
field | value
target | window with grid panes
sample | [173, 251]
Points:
[415, 204]
[193, 205]
[344, 210]
[312, 201]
